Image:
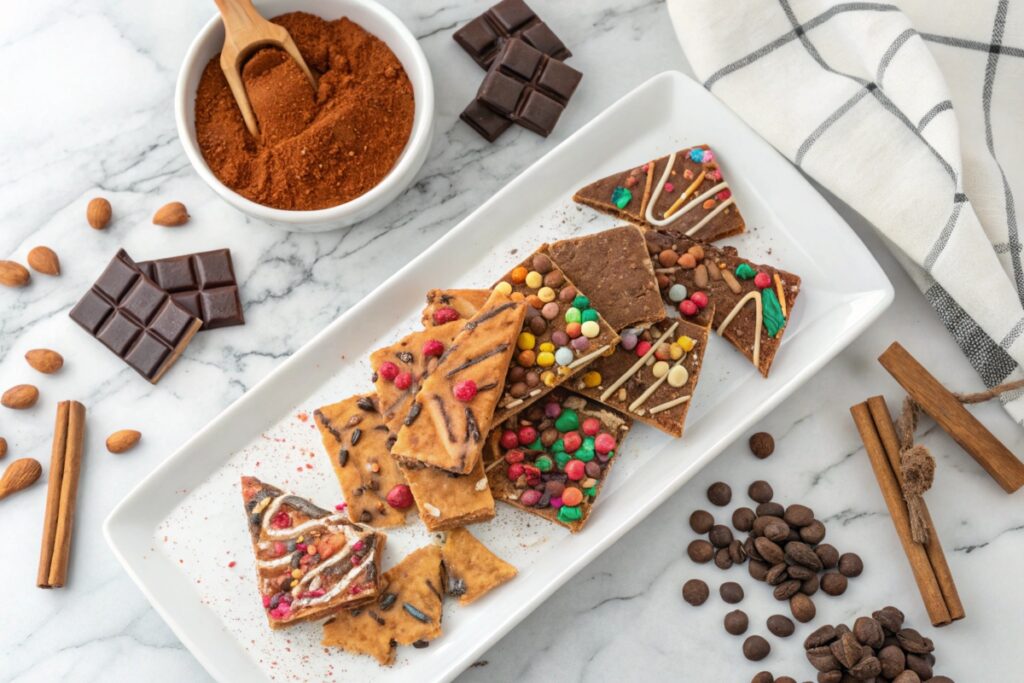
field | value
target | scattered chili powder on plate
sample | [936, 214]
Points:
[318, 150]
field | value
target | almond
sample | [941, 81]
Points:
[98, 213]
[20, 397]
[45, 360]
[44, 260]
[122, 440]
[13, 274]
[171, 215]
[3, 447]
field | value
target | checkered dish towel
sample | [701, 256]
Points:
[912, 114]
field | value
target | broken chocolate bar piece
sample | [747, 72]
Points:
[483, 37]
[135, 318]
[684, 192]
[471, 569]
[202, 283]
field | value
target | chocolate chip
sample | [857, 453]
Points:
[743, 519]
[762, 445]
[695, 592]
[700, 551]
[736, 622]
[850, 565]
[719, 493]
[781, 626]
[701, 521]
[731, 592]
[802, 608]
[760, 491]
[756, 648]
[720, 536]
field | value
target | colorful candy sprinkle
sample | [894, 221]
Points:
[590, 329]
[432, 347]
[572, 496]
[591, 379]
[503, 288]
[400, 497]
[723, 195]
[444, 314]
[403, 380]
[677, 292]
[697, 154]
[699, 298]
[564, 356]
[509, 440]
[629, 340]
[688, 308]
[762, 280]
[621, 197]
[677, 376]
[465, 390]
[744, 271]
[388, 371]
[526, 341]
[534, 279]
[604, 443]
[567, 420]
[669, 187]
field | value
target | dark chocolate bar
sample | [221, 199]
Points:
[135, 318]
[203, 284]
[484, 36]
[489, 124]
[527, 87]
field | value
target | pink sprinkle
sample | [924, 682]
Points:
[708, 156]
[280, 548]
[341, 506]
[556, 502]
[669, 187]
[266, 601]
[715, 175]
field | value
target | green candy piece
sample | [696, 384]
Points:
[621, 197]
[543, 463]
[585, 453]
[589, 315]
[744, 271]
[771, 312]
[590, 491]
[573, 315]
[536, 445]
[567, 421]
[562, 458]
[581, 302]
[558, 446]
[570, 513]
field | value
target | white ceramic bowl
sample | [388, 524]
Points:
[378, 21]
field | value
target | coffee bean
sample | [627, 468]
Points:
[828, 555]
[920, 666]
[813, 533]
[763, 677]
[701, 521]
[810, 586]
[719, 493]
[722, 558]
[866, 669]
[764, 521]
[777, 573]
[847, 650]
[736, 622]
[720, 536]
[798, 515]
[800, 572]
[913, 642]
[781, 626]
[695, 592]
[802, 608]
[850, 565]
[752, 553]
[831, 677]
[762, 445]
[821, 636]
[743, 519]
[700, 551]
[785, 679]
[786, 590]
[736, 552]
[841, 630]
[941, 679]
[731, 592]
[909, 676]
[798, 552]
[756, 648]
[833, 583]
[890, 618]
[772, 509]
[760, 491]
[868, 632]
[822, 659]
[893, 661]
[769, 550]
[777, 533]
[758, 570]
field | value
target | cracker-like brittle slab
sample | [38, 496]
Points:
[446, 305]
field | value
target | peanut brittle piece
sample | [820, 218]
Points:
[652, 374]
[447, 501]
[446, 305]
[356, 441]
[408, 611]
[553, 458]
[342, 571]
[471, 570]
[684, 192]
[448, 423]
[562, 333]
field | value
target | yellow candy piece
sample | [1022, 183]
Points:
[546, 294]
[591, 379]
[526, 341]
[503, 288]
[660, 369]
[675, 351]
[296, 573]
[547, 346]
[686, 343]
[548, 378]
[590, 329]
[545, 359]
[563, 371]
[534, 279]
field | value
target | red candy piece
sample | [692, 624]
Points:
[432, 347]
[445, 314]
[532, 475]
[604, 443]
[514, 471]
[642, 348]
[388, 370]
[723, 195]
[527, 434]
[591, 426]
[575, 470]
[282, 520]
[465, 390]
[513, 456]
[530, 497]
[403, 381]
[509, 439]
[699, 298]
[762, 280]
[400, 497]
[688, 308]
[572, 441]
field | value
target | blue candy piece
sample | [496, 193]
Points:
[697, 154]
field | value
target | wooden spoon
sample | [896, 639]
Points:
[245, 31]
[19, 475]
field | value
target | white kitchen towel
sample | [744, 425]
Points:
[912, 113]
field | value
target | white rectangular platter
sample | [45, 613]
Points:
[177, 532]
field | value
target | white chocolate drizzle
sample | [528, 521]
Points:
[670, 218]
[639, 364]
[642, 398]
[583, 360]
[758, 322]
[669, 404]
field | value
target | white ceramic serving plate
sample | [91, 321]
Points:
[179, 529]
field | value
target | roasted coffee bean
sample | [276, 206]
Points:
[867, 668]
[777, 533]
[842, 629]
[798, 552]
[822, 659]
[793, 535]
[798, 515]
[731, 592]
[868, 632]
[701, 521]
[700, 551]
[890, 618]
[769, 550]
[762, 522]
[781, 626]
[828, 555]
[909, 676]
[777, 573]
[833, 583]
[720, 536]
[831, 677]
[786, 590]
[763, 677]
[797, 571]
[756, 648]
[802, 608]
[736, 622]
[722, 558]
[785, 679]
[695, 592]
[810, 586]
[751, 549]
[920, 666]
[821, 636]
[773, 509]
[760, 491]
[850, 565]
[813, 533]
[736, 552]
[940, 679]
[757, 569]
[743, 519]
[913, 642]
[719, 493]
[762, 445]
[893, 661]
[847, 650]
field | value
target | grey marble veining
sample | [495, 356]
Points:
[88, 89]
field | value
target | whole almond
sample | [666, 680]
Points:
[13, 274]
[3, 447]
[122, 440]
[20, 397]
[171, 215]
[44, 260]
[45, 360]
[98, 213]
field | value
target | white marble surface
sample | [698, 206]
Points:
[87, 110]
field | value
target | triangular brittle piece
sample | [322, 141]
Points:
[562, 333]
[356, 440]
[471, 570]
[298, 585]
[684, 191]
[446, 500]
[408, 611]
[752, 302]
[445, 305]
[452, 413]
[553, 458]
[652, 374]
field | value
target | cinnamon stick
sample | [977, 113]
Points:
[955, 420]
[924, 575]
[933, 548]
[61, 495]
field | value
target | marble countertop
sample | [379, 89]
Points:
[87, 111]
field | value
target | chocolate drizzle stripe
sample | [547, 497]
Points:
[472, 428]
[500, 348]
[414, 412]
[487, 387]
[434, 590]
[447, 418]
[484, 317]
[327, 424]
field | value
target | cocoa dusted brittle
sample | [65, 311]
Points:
[471, 570]
[684, 192]
[447, 305]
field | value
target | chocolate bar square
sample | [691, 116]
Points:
[484, 36]
[203, 284]
[484, 121]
